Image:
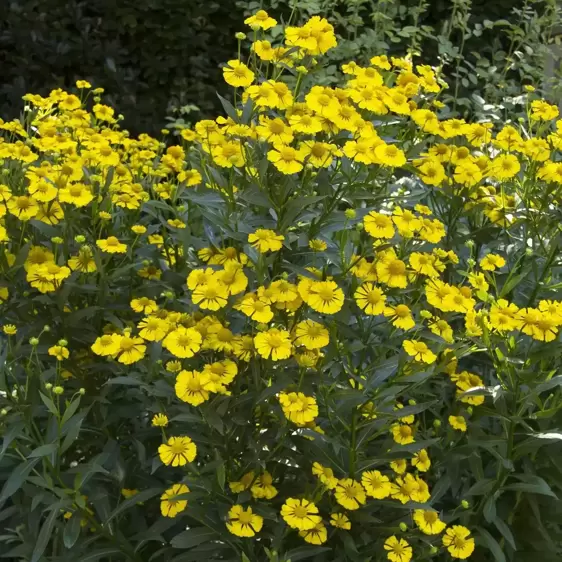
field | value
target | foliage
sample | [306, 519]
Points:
[151, 55]
[336, 296]
[486, 49]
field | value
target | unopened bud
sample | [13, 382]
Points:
[46, 328]
[168, 294]
[3, 412]
[34, 341]
[412, 402]
[48, 386]
[240, 36]
[465, 504]
[403, 527]
[58, 390]
[350, 213]
[433, 550]
[80, 238]
[436, 424]
[63, 343]
[82, 391]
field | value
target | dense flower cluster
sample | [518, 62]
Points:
[310, 266]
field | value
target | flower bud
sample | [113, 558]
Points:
[412, 402]
[425, 314]
[433, 550]
[359, 226]
[34, 341]
[350, 213]
[57, 240]
[436, 424]
[403, 527]
[82, 391]
[471, 262]
[80, 238]
[285, 275]
[240, 36]
[146, 263]
[469, 243]
[168, 294]
[302, 69]
[46, 328]
[58, 390]
[470, 409]
[63, 343]
[48, 386]
[3, 412]
[465, 504]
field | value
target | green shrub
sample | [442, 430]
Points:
[150, 55]
[340, 296]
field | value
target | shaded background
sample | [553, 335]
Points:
[153, 55]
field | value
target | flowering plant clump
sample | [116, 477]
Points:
[324, 326]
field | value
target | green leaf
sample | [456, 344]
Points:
[44, 535]
[10, 435]
[305, 552]
[505, 531]
[17, 478]
[43, 450]
[532, 484]
[132, 501]
[50, 404]
[193, 537]
[70, 410]
[71, 531]
[492, 545]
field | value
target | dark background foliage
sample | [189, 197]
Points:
[155, 55]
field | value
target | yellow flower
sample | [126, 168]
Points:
[243, 523]
[9, 329]
[111, 245]
[83, 84]
[403, 433]
[183, 342]
[77, 194]
[390, 155]
[392, 271]
[428, 521]
[457, 422]
[190, 387]
[379, 225]
[376, 484]
[458, 542]
[286, 159]
[59, 351]
[273, 344]
[399, 466]
[266, 240]
[325, 475]
[300, 514]
[398, 550]
[370, 299]
[325, 297]
[260, 20]
[317, 245]
[491, 262]
[160, 420]
[311, 334]
[131, 349]
[144, 304]
[419, 351]
[170, 505]
[84, 261]
[23, 207]
[262, 487]
[178, 451]
[210, 296]
[298, 408]
[317, 535]
[350, 494]
[106, 345]
[542, 110]
[153, 328]
[421, 461]
[237, 74]
[400, 316]
[340, 521]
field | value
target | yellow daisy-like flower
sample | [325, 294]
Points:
[421, 460]
[317, 535]
[243, 522]
[160, 420]
[350, 494]
[178, 451]
[325, 297]
[59, 351]
[379, 225]
[458, 422]
[325, 475]
[311, 335]
[376, 484]
[458, 542]
[403, 433]
[419, 351]
[300, 514]
[265, 240]
[273, 344]
[398, 550]
[183, 342]
[491, 262]
[260, 20]
[428, 521]
[170, 505]
[370, 299]
[340, 521]
[111, 245]
[190, 387]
